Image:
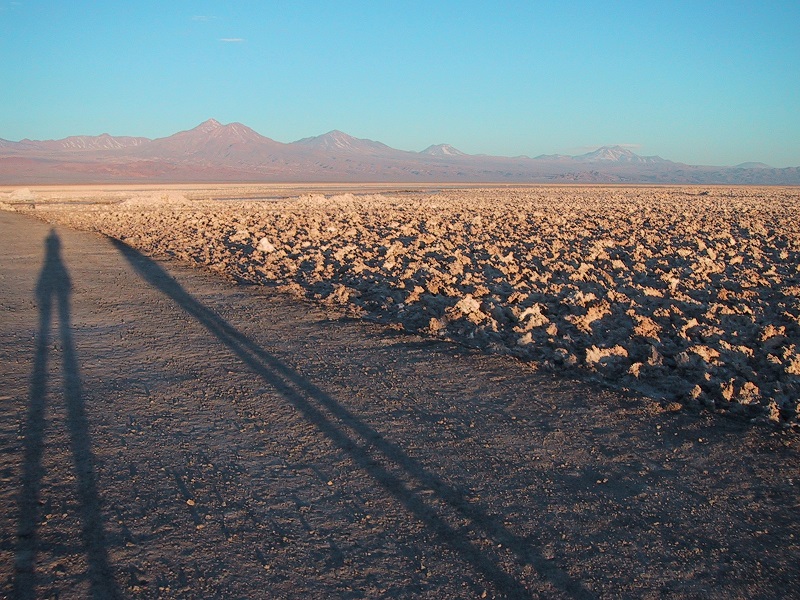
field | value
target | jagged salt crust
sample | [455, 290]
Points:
[687, 295]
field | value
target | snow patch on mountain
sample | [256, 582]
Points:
[442, 150]
[616, 154]
[336, 140]
[207, 126]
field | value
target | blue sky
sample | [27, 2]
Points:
[698, 82]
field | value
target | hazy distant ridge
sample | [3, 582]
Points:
[234, 152]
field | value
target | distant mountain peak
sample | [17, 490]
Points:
[238, 131]
[613, 153]
[208, 126]
[442, 150]
[752, 165]
[232, 132]
[339, 139]
[336, 140]
[212, 141]
[616, 154]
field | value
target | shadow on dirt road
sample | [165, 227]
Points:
[53, 291]
[387, 464]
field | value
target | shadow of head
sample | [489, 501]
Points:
[53, 243]
[54, 277]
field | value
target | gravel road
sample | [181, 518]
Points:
[167, 433]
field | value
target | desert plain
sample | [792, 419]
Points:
[427, 391]
[686, 294]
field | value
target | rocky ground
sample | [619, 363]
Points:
[689, 295]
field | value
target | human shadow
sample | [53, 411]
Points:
[53, 294]
[389, 466]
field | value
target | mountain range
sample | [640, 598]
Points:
[213, 152]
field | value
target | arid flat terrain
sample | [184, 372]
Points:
[616, 419]
[690, 295]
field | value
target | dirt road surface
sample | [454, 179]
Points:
[166, 433]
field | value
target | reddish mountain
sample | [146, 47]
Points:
[234, 152]
[212, 141]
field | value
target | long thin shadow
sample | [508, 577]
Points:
[368, 449]
[53, 289]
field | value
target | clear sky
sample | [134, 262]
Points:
[698, 82]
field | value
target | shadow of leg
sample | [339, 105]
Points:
[28, 505]
[101, 576]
